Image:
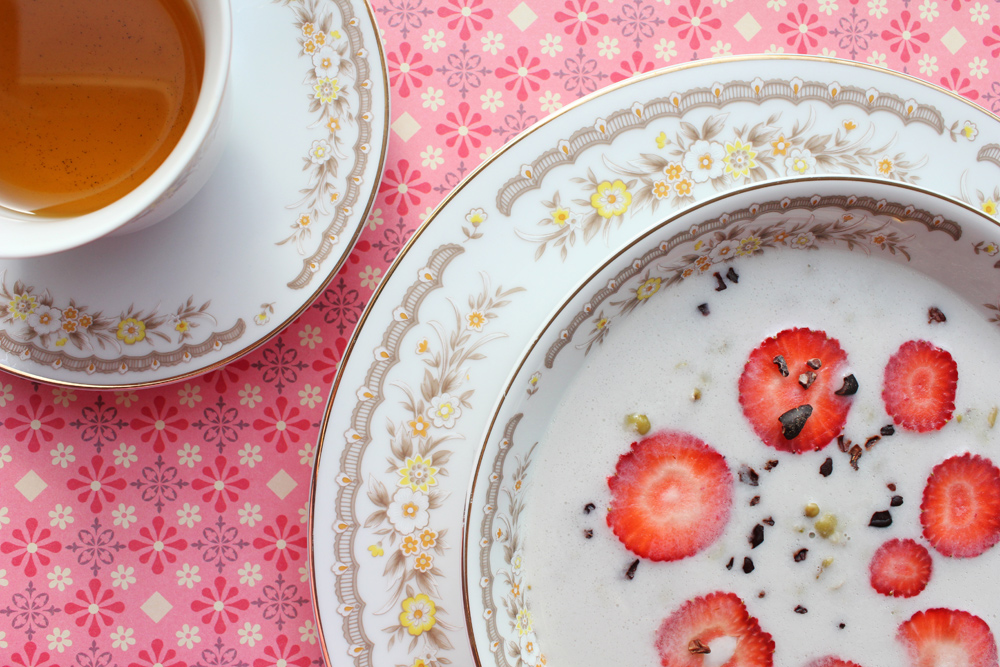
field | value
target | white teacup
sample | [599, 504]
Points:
[183, 173]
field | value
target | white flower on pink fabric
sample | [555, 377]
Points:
[124, 516]
[62, 455]
[250, 574]
[122, 638]
[123, 577]
[59, 640]
[188, 515]
[250, 455]
[61, 516]
[187, 636]
[60, 578]
[188, 455]
[250, 634]
[188, 575]
[249, 514]
[125, 455]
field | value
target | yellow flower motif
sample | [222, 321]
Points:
[739, 158]
[333, 125]
[428, 538]
[418, 473]
[879, 239]
[418, 614]
[704, 263]
[683, 187]
[885, 165]
[335, 34]
[85, 321]
[673, 171]
[409, 545]
[326, 90]
[780, 146]
[515, 590]
[611, 199]
[423, 562]
[991, 249]
[476, 320]
[308, 29]
[849, 125]
[419, 426]
[420, 662]
[969, 130]
[21, 306]
[304, 221]
[523, 621]
[131, 331]
[601, 323]
[648, 289]
[422, 348]
[661, 189]
[748, 246]
[376, 550]
[320, 38]
[989, 207]
[61, 341]
[183, 326]
[560, 216]
[661, 140]
[309, 46]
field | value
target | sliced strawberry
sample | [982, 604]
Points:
[703, 620]
[767, 392]
[919, 386]
[900, 568]
[960, 511]
[670, 496]
[945, 637]
[830, 661]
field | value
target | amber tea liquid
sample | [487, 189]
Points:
[94, 95]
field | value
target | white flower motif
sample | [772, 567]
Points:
[307, 632]
[444, 411]
[608, 47]
[4, 519]
[433, 40]
[188, 454]
[123, 577]
[124, 516]
[665, 50]
[59, 640]
[969, 130]
[6, 394]
[45, 320]
[978, 67]
[551, 44]
[724, 250]
[320, 152]
[929, 10]
[188, 575]
[774, 48]
[188, 515]
[408, 510]
[250, 574]
[249, 514]
[800, 161]
[250, 455]
[492, 43]
[703, 160]
[60, 578]
[776, 5]
[721, 49]
[877, 59]
[63, 396]
[250, 395]
[431, 157]
[877, 8]
[928, 64]
[327, 63]
[306, 454]
[310, 396]
[189, 394]
[979, 13]
[433, 98]
[551, 101]
[492, 100]
[125, 455]
[250, 634]
[3, 577]
[126, 398]
[5, 456]
[188, 636]
[61, 516]
[802, 241]
[517, 561]
[828, 7]
[62, 455]
[122, 638]
[529, 649]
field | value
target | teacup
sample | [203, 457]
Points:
[173, 183]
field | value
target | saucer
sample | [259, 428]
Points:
[309, 96]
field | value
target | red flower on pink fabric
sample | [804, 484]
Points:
[405, 68]
[960, 84]
[903, 36]
[404, 185]
[220, 604]
[229, 373]
[96, 484]
[465, 13]
[33, 657]
[158, 544]
[29, 547]
[159, 423]
[581, 18]
[990, 40]
[330, 360]
[804, 29]
[94, 607]
[632, 67]
[281, 655]
[34, 423]
[220, 483]
[462, 128]
[694, 20]
[524, 73]
[280, 424]
[158, 657]
[281, 543]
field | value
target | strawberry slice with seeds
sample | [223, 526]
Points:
[960, 510]
[830, 661]
[919, 386]
[671, 495]
[900, 568]
[789, 414]
[684, 634]
[945, 637]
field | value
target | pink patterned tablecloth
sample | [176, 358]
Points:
[168, 526]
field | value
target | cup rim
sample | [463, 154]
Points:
[71, 232]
